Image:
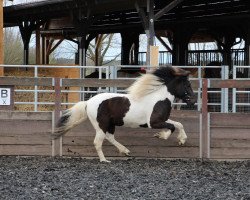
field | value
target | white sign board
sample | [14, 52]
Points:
[5, 96]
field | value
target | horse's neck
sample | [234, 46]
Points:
[160, 95]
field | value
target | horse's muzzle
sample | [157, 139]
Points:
[190, 101]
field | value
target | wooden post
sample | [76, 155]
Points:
[205, 131]
[150, 32]
[57, 143]
[38, 47]
[43, 49]
[154, 56]
[1, 38]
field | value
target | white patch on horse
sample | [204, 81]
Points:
[140, 110]
[143, 86]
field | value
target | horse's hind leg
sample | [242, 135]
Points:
[119, 146]
[99, 137]
[182, 137]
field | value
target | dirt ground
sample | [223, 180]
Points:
[78, 178]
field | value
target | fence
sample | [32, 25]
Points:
[240, 97]
[41, 100]
[198, 57]
[210, 135]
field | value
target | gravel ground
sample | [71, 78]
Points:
[77, 178]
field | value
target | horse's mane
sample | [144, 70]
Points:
[145, 85]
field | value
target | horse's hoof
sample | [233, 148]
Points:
[182, 142]
[126, 153]
[163, 134]
[105, 161]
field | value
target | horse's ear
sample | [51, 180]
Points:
[180, 72]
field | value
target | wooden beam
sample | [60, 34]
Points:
[55, 46]
[230, 83]
[49, 46]
[167, 8]
[142, 15]
[164, 44]
[21, 81]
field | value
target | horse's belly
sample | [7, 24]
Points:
[134, 120]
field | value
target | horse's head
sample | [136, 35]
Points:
[177, 82]
[181, 86]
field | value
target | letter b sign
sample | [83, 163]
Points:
[5, 96]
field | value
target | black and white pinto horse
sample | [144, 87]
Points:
[147, 104]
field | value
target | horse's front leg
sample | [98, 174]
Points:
[182, 137]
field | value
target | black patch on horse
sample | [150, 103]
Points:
[111, 113]
[144, 125]
[167, 77]
[165, 74]
[160, 115]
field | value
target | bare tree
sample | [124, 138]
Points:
[12, 47]
[98, 51]
[102, 46]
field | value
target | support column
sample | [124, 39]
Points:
[229, 40]
[43, 49]
[82, 50]
[126, 45]
[26, 29]
[150, 32]
[148, 25]
[180, 47]
[47, 44]
[1, 39]
[181, 39]
[128, 39]
[26, 52]
[247, 49]
[38, 47]
[136, 49]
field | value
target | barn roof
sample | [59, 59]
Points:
[119, 15]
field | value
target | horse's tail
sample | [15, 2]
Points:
[70, 118]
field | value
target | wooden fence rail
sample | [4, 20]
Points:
[210, 135]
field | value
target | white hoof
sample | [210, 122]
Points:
[163, 134]
[182, 140]
[105, 161]
[125, 151]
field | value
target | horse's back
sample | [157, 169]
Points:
[94, 103]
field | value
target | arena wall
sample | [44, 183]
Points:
[29, 134]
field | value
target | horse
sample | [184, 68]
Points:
[147, 104]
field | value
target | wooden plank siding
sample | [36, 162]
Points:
[25, 133]
[230, 135]
[28, 133]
